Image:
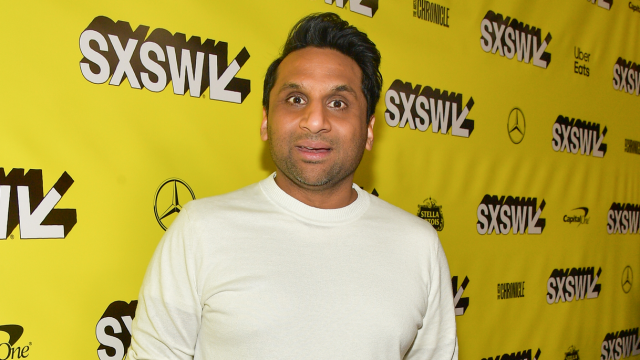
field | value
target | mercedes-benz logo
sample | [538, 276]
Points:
[516, 126]
[627, 279]
[171, 197]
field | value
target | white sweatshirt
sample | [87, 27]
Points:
[257, 274]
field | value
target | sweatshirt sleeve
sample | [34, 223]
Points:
[437, 339]
[169, 311]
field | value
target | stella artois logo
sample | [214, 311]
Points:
[432, 213]
[572, 354]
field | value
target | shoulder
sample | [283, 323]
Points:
[248, 198]
[400, 220]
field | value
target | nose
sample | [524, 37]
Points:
[315, 119]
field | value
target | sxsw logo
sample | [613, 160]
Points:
[22, 201]
[420, 107]
[520, 355]
[623, 219]
[500, 215]
[512, 38]
[460, 304]
[626, 76]
[114, 51]
[621, 344]
[578, 135]
[568, 285]
[113, 331]
[362, 7]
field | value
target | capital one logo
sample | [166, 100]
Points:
[13, 352]
[113, 331]
[23, 202]
[112, 50]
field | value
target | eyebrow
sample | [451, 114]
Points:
[335, 89]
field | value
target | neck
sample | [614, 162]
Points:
[333, 196]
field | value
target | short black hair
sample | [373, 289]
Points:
[328, 30]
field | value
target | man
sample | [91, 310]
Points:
[304, 264]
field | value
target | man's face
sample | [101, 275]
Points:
[316, 126]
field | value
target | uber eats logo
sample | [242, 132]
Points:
[520, 355]
[575, 284]
[420, 107]
[362, 7]
[504, 214]
[511, 38]
[623, 219]
[113, 331]
[619, 345]
[22, 201]
[114, 51]
[577, 135]
[626, 76]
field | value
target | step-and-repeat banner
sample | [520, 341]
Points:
[511, 126]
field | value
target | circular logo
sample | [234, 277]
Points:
[627, 279]
[516, 126]
[167, 200]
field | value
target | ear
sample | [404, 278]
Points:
[369, 144]
[263, 127]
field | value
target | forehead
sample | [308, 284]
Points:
[319, 67]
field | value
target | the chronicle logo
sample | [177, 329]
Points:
[13, 352]
[501, 214]
[459, 303]
[432, 12]
[605, 4]
[23, 202]
[568, 285]
[572, 353]
[421, 107]
[626, 76]
[432, 213]
[113, 331]
[579, 218]
[619, 345]
[520, 355]
[512, 38]
[623, 218]
[577, 135]
[362, 7]
[632, 146]
[516, 126]
[168, 198]
[627, 279]
[113, 50]
[511, 290]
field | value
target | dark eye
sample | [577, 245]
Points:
[337, 104]
[296, 100]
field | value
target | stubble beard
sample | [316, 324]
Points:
[338, 170]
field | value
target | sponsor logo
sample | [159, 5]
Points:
[520, 355]
[578, 135]
[581, 219]
[432, 12]
[572, 354]
[623, 219]
[500, 215]
[620, 345]
[580, 64]
[605, 4]
[8, 350]
[112, 50]
[512, 38]
[170, 189]
[362, 7]
[422, 107]
[627, 279]
[432, 213]
[516, 126]
[626, 76]
[568, 285]
[460, 304]
[632, 146]
[113, 331]
[511, 290]
[634, 8]
[22, 202]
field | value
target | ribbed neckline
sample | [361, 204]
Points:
[310, 214]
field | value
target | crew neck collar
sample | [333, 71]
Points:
[313, 215]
